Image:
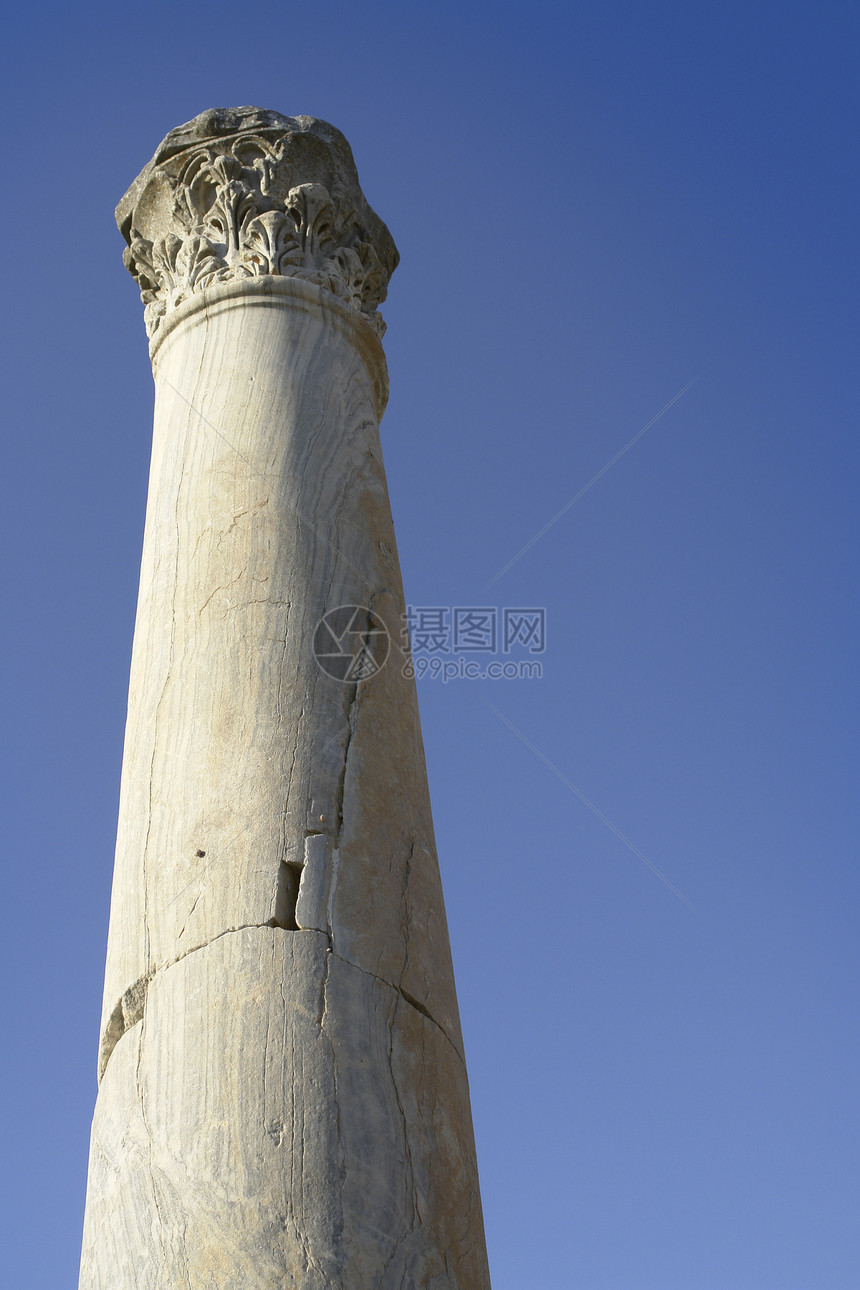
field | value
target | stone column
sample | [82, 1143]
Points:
[283, 1098]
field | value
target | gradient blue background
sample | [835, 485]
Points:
[594, 204]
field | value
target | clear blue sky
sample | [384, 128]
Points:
[595, 204]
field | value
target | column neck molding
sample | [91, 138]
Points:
[280, 293]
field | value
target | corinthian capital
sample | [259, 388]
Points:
[244, 193]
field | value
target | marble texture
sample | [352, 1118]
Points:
[283, 1097]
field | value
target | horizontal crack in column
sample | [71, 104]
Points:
[407, 998]
[129, 1010]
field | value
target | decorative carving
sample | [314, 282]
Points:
[243, 193]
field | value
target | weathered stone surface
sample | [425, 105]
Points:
[283, 1099]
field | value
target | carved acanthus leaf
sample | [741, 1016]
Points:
[271, 244]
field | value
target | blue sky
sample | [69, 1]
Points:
[595, 205]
